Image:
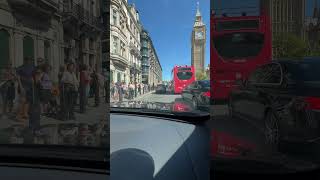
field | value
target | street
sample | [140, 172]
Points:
[94, 122]
[161, 98]
[302, 155]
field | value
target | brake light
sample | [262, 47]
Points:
[312, 103]
[207, 94]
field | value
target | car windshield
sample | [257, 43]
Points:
[147, 67]
[53, 93]
[205, 84]
[239, 45]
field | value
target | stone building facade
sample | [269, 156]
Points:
[125, 28]
[151, 67]
[57, 31]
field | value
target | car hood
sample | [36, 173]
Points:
[151, 148]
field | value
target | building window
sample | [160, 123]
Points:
[123, 50]
[4, 48]
[115, 17]
[118, 77]
[28, 47]
[115, 45]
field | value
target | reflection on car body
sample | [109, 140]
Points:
[281, 99]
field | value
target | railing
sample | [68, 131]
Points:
[79, 12]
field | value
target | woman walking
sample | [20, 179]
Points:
[46, 86]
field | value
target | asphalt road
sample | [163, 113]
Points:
[161, 98]
[302, 155]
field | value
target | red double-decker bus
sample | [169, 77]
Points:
[239, 44]
[182, 76]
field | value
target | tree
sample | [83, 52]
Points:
[201, 76]
[289, 45]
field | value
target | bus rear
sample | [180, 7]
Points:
[182, 77]
[238, 45]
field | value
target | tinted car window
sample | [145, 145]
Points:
[270, 73]
[304, 71]
[204, 84]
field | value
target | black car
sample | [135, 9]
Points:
[198, 93]
[161, 89]
[281, 99]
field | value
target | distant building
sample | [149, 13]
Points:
[287, 16]
[208, 71]
[313, 28]
[151, 67]
[198, 43]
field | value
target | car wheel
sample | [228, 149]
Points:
[194, 103]
[272, 131]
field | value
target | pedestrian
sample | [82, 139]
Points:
[139, 88]
[70, 85]
[8, 90]
[112, 91]
[46, 86]
[61, 91]
[120, 90]
[25, 88]
[35, 107]
[84, 87]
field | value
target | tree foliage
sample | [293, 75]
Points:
[289, 45]
[201, 76]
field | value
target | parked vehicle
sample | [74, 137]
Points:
[198, 93]
[282, 99]
[161, 89]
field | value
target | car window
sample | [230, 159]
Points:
[267, 74]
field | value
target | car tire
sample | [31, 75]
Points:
[272, 131]
[194, 103]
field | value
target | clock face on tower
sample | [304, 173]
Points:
[199, 35]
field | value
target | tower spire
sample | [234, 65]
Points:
[198, 9]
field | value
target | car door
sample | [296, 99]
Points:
[196, 91]
[186, 92]
[267, 81]
[240, 98]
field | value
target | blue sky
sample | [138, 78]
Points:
[246, 3]
[169, 23]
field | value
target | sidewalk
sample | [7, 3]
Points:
[92, 115]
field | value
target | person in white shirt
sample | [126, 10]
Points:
[71, 84]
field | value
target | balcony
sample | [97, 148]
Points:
[134, 50]
[78, 12]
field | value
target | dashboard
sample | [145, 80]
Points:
[18, 173]
[149, 147]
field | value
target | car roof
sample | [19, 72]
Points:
[297, 60]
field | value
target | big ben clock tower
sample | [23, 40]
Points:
[198, 40]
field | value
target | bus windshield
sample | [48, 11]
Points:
[239, 45]
[184, 75]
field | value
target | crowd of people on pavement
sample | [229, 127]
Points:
[29, 92]
[121, 90]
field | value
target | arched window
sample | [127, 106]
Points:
[28, 47]
[4, 48]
